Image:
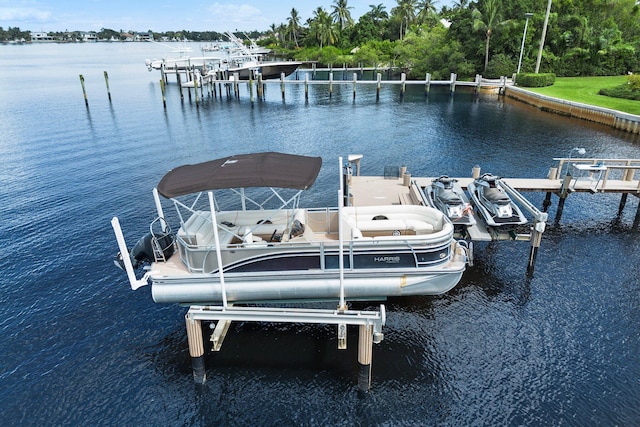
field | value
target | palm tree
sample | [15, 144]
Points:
[406, 10]
[341, 14]
[460, 4]
[488, 22]
[426, 8]
[294, 25]
[378, 12]
[321, 27]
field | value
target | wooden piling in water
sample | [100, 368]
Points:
[452, 87]
[378, 84]
[403, 85]
[355, 80]
[236, 86]
[195, 90]
[196, 349]
[180, 86]
[365, 353]
[330, 83]
[84, 90]
[163, 90]
[260, 87]
[282, 85]
[306, 87]
[251, 87]
[427, 84]
[106, 80]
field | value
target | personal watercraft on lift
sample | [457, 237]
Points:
[446, 195]
[493, 203]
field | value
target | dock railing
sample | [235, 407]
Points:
[620, 169]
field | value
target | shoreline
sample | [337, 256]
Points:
[616, 119]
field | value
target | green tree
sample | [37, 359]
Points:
[406, 13]
[294, 25]
[322, 29]
[341, 14]
[488, 21]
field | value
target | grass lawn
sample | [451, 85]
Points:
[585, 90]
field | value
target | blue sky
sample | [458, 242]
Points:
[164, 15]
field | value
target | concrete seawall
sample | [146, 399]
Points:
[616, 119]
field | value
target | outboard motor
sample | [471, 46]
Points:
[142, 252]
[153, 246]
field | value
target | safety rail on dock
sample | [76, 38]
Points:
[607, 168]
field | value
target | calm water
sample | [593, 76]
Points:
[78, 347]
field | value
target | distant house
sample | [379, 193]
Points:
[91, 36]
[41, 37]
[143, 37]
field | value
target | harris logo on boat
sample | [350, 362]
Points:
[387, 259]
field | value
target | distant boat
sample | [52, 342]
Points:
[279, 251]
[226, 58]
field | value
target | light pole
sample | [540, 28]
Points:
[524, 36]
[581, 151]
[544, 33]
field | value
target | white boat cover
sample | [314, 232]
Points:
[270, 169]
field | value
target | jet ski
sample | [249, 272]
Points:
[493, 203]
[446, 195]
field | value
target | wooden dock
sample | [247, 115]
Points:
[596, 176]
[222, 84]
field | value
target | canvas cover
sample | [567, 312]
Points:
[269, 169]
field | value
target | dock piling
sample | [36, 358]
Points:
[330, 84]
[260, 87]
[84, 91]
[196, 348]
[452, 88]
[427, 84]
[282, 84]
[306, 87]
[378, 84]
[355, 80]
[365, 352]
[106, 80]
[163, 90]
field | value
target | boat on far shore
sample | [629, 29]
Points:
[223, 60]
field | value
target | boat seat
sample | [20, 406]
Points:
[419, 227]
[496, 195]
[449, 197]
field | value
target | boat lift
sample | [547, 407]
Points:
[370, 323]
[483, 232]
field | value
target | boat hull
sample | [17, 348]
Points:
[268, 70]
[363, 285]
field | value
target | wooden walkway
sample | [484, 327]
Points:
[596, 176]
